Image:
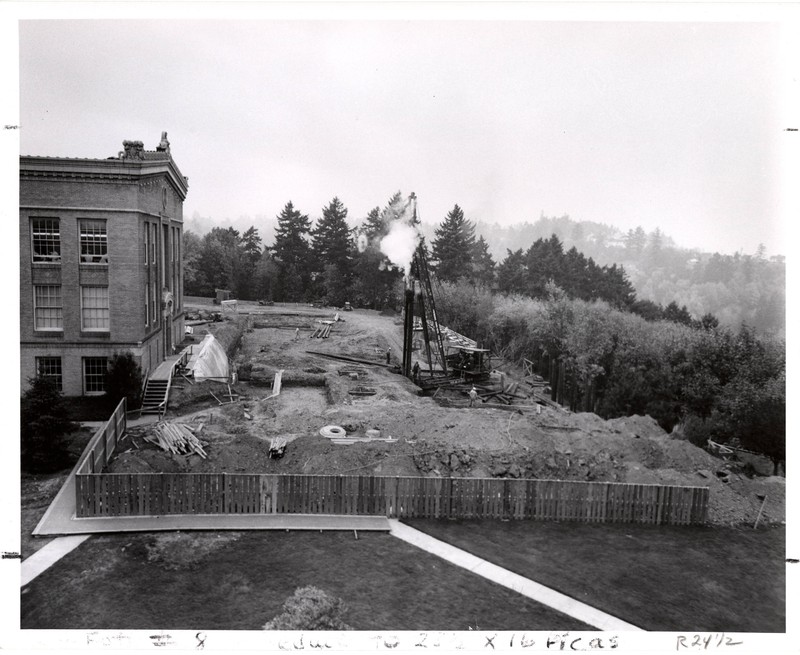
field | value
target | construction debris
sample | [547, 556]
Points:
[277, 447]
[176, 438]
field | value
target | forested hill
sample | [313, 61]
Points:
[737, 288]
[740, 288]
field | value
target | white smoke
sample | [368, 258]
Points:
[399, 244]
[362, 242]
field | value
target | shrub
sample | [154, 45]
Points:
[123, 380]
[44, 422]
[310, 608]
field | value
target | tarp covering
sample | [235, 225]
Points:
[211, 361]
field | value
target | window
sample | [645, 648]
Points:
[47, 308]
[94, 374]
[152, 243]
[94, 241]
[147, 304]
[153, 306]
[46, 236]
[50, 367]
[94, 309]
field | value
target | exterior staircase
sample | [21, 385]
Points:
[155, 397]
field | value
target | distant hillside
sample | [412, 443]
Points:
[737, 288]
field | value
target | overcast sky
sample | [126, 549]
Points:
[671, 125]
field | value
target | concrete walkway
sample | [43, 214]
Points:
[506, 578]
[62, 524]
[48, 555]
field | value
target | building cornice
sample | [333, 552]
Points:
[113, 170]
[103, 210]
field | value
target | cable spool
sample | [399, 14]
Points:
[333, 432]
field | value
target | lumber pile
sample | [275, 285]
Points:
[277, 447]
[323, 331]
[176, 438]
[505, 395]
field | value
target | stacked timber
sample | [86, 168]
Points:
[277, 447]
[505, 395]
[176, 438]
[322, 332]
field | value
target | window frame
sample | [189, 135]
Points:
[85, 376]
[102, 241]
[54, 359]
[39, 258]
[37, 307]
[107, 308]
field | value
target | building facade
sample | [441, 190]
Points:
[100, 263]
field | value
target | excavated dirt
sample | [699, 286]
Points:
[429, 439]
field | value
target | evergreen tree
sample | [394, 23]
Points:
[251, 246]
[373, 225]
[454, 246]
[292, 254]
[44, 422]
[636, 240]
[332, 242]
[482, 263]
[678, 314]
[123, 379]
[332, 248]
[544, 261]
[512, 273]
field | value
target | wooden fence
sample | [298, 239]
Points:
[101, 446]
[141, 494]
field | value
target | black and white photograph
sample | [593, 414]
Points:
[425, 327]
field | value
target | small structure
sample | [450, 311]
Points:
[211, 362]
[221, 295]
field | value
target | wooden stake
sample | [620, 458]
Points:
[758, 518]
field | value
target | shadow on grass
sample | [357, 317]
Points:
[149, 582]
[660, 578]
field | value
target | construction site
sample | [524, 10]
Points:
[309, 390]
[273, 422]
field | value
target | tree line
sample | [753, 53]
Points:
[735, 288]
[334, 263]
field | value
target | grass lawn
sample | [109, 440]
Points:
[38, 490]
[240, 581]
[662, 578]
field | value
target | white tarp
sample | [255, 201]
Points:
[211, 361]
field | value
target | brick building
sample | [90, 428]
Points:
[100, 263]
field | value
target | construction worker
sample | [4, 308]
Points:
[389, 355]
[296, 334]
[473, 396]
[415, 371]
